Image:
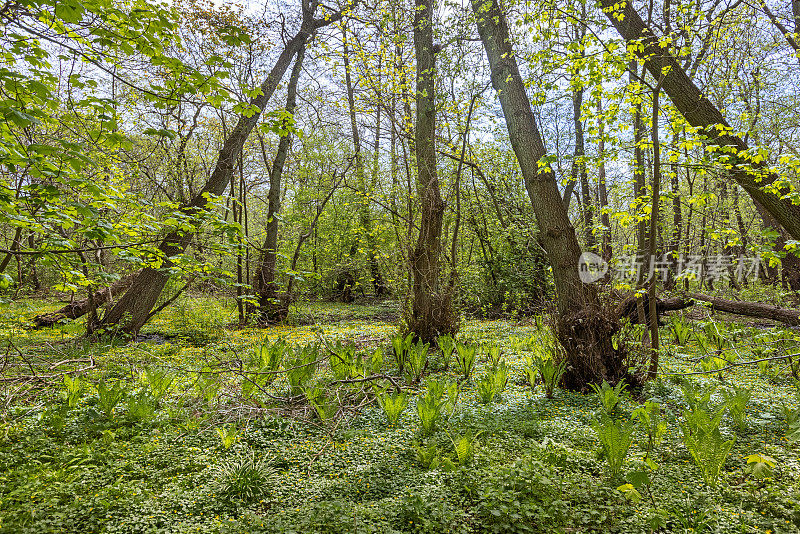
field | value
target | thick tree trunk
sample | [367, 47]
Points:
[584, 328]
[132, 311]
[699, 112]
[79, 308]
[431, 313]
[272, 308]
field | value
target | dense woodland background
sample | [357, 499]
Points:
[238, 241]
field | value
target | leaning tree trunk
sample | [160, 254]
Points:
[133, 310]
[584, 328]
[272, 308]
[699, 112]
[431, 310]
[79, 308]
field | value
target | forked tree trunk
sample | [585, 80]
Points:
[584, 328]
[272, 308]
[431, 310]
[132, 311]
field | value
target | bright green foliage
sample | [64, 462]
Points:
[427, 455]
[158, 381]
[263, 364]
[437, 403]
[342, 360]
[705, 443]
[244, 478]
[610, 397]
[493, 382]
[61, 178]
[736, 399]
[546, 363]
[207, 385]
[400, 347]
[698, 397]
[393, 404]
[325, 404]
[761, 466]
[141, 408]
[73, 389]
[494, 354]
[650, 422]
[227, 435]
[464, 447]
[417, 360]
[109, 397]
[680, 329]
[616, 438]
[547, 370]
[447, 345]
[465, 359]
[715, 335]
[300, 367]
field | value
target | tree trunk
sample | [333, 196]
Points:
[79, 308]
[364, 215]
[699, 112]
[584, 328]
[271, 307]
[431, 313]
[607, 251]
[133, 309]
[751, 309]
[579, 170]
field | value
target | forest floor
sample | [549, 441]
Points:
[186, 460]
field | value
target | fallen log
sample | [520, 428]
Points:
[627, 308]
[79, 308]
[751, 309]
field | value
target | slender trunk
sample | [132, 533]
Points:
[271, 307]
[607, 250]
[431, 312]
[365, 217]
[579, 170]
[651, 290]
[677, 224]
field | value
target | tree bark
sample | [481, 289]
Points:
[431, 313]
[751, 309]
[699, 112]
[584, 328]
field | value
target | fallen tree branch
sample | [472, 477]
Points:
[79, 308]
[751, 309]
